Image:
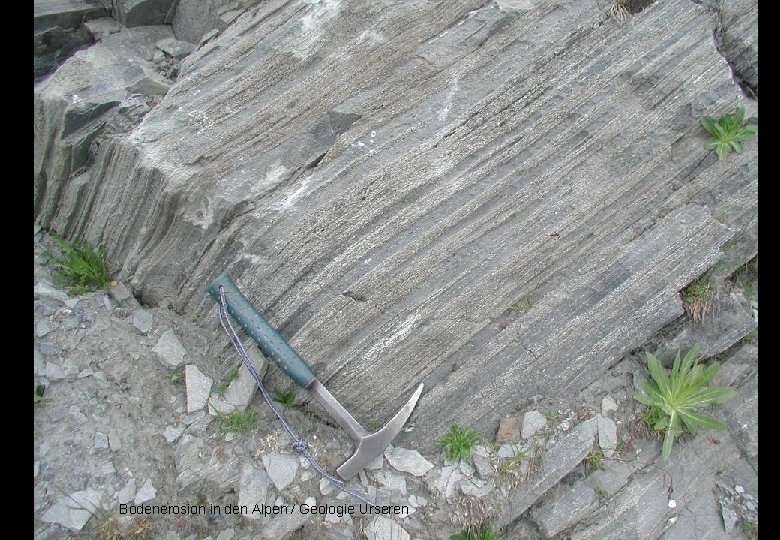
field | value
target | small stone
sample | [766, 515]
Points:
[121, 294]
[672, 503]
[476, 487]
[83, 374]
[101, 441]
[218, 406]
[68, 515]
[509, 450]
[175, 48]
[750, 506]
[310, 501]
[114, 442]
[39, 364]
[158, 57]
[172, 433]
[169, 350]
[382, 528]
[449, 478]
[281, 469]
[143, 320]
[197, 386]
[480, 457]
[533, 421]
[227, 534]
[42, 328]
[607, 435]
[252, 489]
[36, 468]
[230, 436]
[730, 517]
[242, 389]
[127, 493]
[391, 481]
[508, 430]
[408, 461]
[194, 417]
[608, 405]
[739, 489]
[146, 493]
[54, 372]
[326, 488]
[47, 349]
[44, 289]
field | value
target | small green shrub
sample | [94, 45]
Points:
[286, 398]
[237, 421]
[596, 460]
[80, 269]
[522, 306]
[699, 296]
[459, 443]
[674, 398]
[485, 533]
[728, 132]
[601, 492]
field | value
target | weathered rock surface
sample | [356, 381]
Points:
[144, 12]
[384, 221]
[72, 107]
[409, 461]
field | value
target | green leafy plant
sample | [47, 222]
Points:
[459, 443]
[522, 306]
[38, 396]
[223, 386]
[675, 397]
[80, 269]
[177, 377]
[601, 492]
[512, 464]
[750, 528]
[596, 460]
[485, 533]
[286, 398]
[237, 421]
[728, 132]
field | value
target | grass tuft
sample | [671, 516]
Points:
[80, 268]
[484, 533]
[459, 443]
[237, 421]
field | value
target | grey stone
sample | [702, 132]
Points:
[476, 487]
[47, 349]
[42, 328]
[608, 405]
[242, 389]
[196, 19]
[326, 487]
[448, 481]
[36, 468]
[281, 469]
[121, 294]
[408, 461]
[101, 441]
[144, 12]
[143, 320]
[218, 406]
[114, 442]
[127, 493]
[65, 13]
[383, 528]
[54, 372]
[102, 28]
[67, 516]
[169, 350]
[172, 433]
[376, 463]
[146, 493]
[39, 364]
[508, 430]
[391, 481]
[175, 48]
[607, 435]
[253, 488]
[729, 515]
[227, 534]
[556, 463]
[533, 421]
[482, 463]
[44, 290]
[198, 387]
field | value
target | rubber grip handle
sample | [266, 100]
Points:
[268, 339]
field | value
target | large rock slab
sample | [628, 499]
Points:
[73, 105]
[464, 158]
[144, 12]
[66, 14]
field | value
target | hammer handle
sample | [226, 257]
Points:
[268, 339]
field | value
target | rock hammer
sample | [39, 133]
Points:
[275, 347]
